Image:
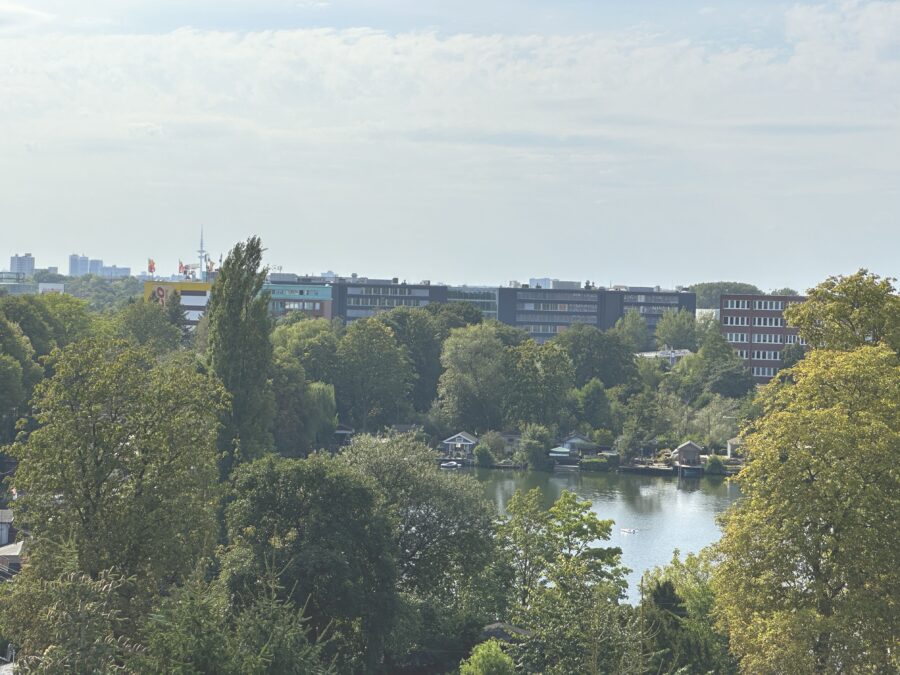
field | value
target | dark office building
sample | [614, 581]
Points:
[360, 298]
[545, 312]
[754, 326]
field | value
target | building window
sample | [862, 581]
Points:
[770, 321]
[737, 304]
[736, 320]
[766, 355]
[736, 337]
[763, 371]
[769, 305]
[768, 338]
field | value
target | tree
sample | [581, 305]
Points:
[122, 461]
[71, 318]
[678, 607]
[597, 355]
[146, 323]
[849, 312]
[104, 294]
[70, 624]
[417, 331]
[314, 342]
[677, 330]
[15, 345]
[488, 658]
[526, 539]
[305, 412]
[538, 378]
[473, 384]
[535, 444]
[240, 353]
[593, 405]
[809, 573]
[709, 293]
[791, 355]
[784, 291]
[373, 376]
[450, 315]
[34, 319]
[632, 330]
[316, 524]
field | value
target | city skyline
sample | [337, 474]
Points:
[677, 144]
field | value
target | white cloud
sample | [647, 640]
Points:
[17, 17]
[600, 135]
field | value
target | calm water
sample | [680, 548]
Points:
[668, 513]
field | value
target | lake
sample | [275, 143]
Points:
[668, 513]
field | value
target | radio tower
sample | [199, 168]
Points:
[203, 257]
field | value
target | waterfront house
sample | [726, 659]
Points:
[461, 444]
[688, 454]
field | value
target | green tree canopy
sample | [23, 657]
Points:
[809, 574]
[317, 525]
[632, 330]
[538, 379]
[709, 293]
[122, 461]
[595, 354]
[240, 353]
[420, 334]
[314, 342]
[374, 376]
[849, 312]
[677, 330]
[488, 658]
[472, 387]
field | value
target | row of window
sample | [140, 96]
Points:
[665, 299]
[765, 305]
[768, 338]
[542, 328]
[736, 337]
[387, 290]
[795, 339]
[556, 307]
[770, 321]
[560, 318]
[735, 320]
[763, 371]
[296, 304]
[743, 353]
[386, 302]
[766, 355]
[590, 296]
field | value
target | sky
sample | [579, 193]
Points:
[645, 143]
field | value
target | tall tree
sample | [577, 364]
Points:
[373, 377]
[420, 334]
[240, 353]
[539, 377]
[849, 312]
[677, 330]
[314, 342]
[316, 524]
[473, 384]
[145, 323]
[122, 461]
[595, 354]
[810, 567]
[632, 330]
[450, 315]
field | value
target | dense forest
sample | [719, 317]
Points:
[184, 508]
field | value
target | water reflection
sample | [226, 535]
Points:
[668, 513]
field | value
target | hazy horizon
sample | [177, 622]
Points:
[466, 143]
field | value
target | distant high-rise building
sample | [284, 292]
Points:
[22, 264]
[113, 272]
[78, 265]
[95, 267]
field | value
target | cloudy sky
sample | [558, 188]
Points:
[651, 142]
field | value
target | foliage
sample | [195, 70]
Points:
[536, 443]
[483, 456]
[846, 312]
[538, 378]
[314, 342]
[715, 466]
[147, 324]
[104, 294]
[598, 464]
[784, 291]
[73, 623]
[305, 412]
[632, 330]
[450, 315]
[34, 319]
[123, 443]
[315, 523]
[810, 566]
[373, 376]
[240, 354]
[473, 384]
[677, 330]
[597, 355]
[71, 317]
[488, 658]
[592, 405]
[714, 369]
[710, 293]
[420, 334]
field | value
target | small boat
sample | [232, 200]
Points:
[629, 530]
[450, 465]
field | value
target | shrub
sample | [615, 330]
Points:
[488, 658]
[715, 466]
[483, 455]
[598, 464]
